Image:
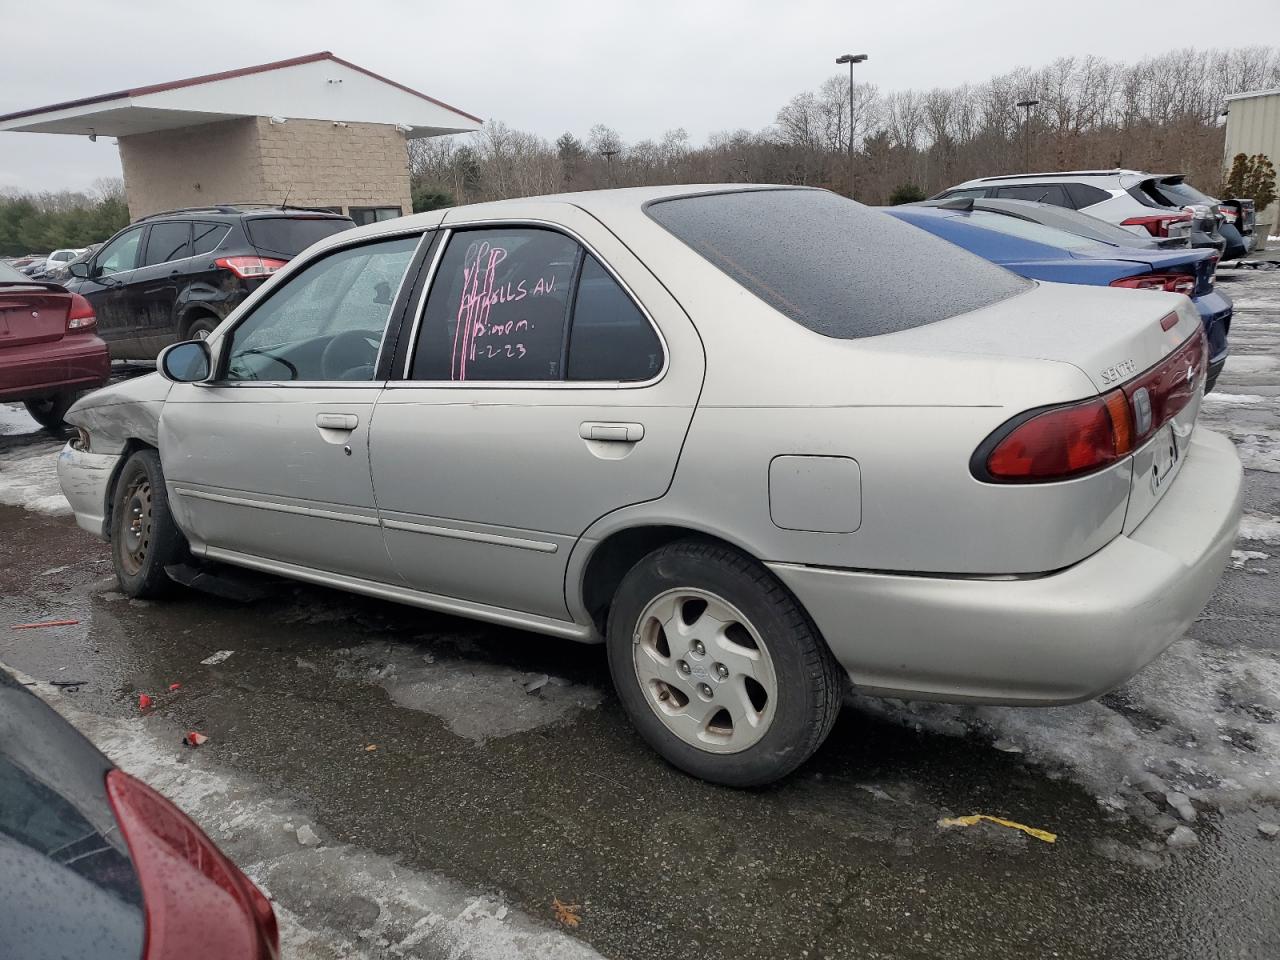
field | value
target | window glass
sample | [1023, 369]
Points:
[205, 237]
[327, 321]
[288, 236]
[833, 265]
[169, 240]
[1028, 230]
[497, 307]
[974, 192]
[121, 253]
[1178, 193]
[363, 215]
[1037, 193]
[610, 339]
[1086, 195]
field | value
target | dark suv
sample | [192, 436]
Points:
[175, 276]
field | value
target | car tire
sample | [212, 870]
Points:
[144, 538]
[774, 687]
[201, 327]
[49, 411]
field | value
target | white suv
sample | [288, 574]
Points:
[1128, 198]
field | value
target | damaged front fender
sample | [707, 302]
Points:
[114, 415]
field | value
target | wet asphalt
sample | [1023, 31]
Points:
[549, 794]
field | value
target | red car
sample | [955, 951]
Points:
[50, 352]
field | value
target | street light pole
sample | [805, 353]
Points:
[851, 59]
[1026, 134]
[609, 155]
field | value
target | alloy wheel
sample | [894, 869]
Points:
[704, 670]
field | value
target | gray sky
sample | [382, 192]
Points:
[555, 65]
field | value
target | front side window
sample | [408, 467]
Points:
[170, 240]
[121, 253]
[498, 307]
[327, 321]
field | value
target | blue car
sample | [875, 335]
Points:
[1040, 252]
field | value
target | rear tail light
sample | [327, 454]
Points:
[1073, 439]
[81, 316]
[250, 268]
[1157, 224]
[1170, 282]
[1227, 211]
[198, 904]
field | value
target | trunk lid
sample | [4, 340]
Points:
[32, 315]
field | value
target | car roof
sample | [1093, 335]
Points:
[237, 211]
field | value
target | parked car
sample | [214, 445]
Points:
[61, 257]
[49, 351]
[174, 276]
[1235, 219]
[1129, 198]
[758, 441]
[1061, 218]
[1041, 252]
[62, 272]
[96, 865]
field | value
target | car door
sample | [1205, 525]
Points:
[267, 463]
[154, 284]
[108, 284]
[551, 380]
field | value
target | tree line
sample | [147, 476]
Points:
[1162, 113]
[44, 222]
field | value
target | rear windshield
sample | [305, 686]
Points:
[289, 236]
[832, 265]
[1030, 230]
[1183, 193]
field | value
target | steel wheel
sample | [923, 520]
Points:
[136, 526]
[704, 670]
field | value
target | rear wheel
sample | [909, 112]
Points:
[718, 667]
[144, 538]
[49, 411]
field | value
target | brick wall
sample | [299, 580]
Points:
[314, 162]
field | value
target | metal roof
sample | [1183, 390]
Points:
[314, 86]
[1252, 93]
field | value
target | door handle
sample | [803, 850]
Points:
[337, 421]
[619, 432]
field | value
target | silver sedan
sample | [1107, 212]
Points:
[761, 442]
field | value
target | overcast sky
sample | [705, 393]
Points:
[555, 65]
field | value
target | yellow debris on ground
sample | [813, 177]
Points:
[970, 820]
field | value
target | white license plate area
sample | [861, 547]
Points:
[1166, 458]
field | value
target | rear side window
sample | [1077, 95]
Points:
[286, 237]
[1053, 193]
[169, 240]
[610, 339]
[832, 265]
[1085, 195]
[205, 237]
[498, 307]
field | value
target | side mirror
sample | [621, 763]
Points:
[80, 269]
[186, 362]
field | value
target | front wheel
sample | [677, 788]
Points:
[144, 538]
[718, 667]
[201, 327]
[49, 411]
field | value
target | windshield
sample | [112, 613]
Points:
[9, 275]
[288, 236]
[1037, 232]
[832, 265]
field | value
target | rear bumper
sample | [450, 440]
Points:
[1215, 311]
[84, 478]
[39, 370]
[1055, 639]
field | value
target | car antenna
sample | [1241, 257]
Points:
[958, 203]
[284, 204]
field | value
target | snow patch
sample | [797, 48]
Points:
[1261, 527]
[30, 480]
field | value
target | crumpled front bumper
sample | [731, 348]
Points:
[1059, 638]
[85, 478]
